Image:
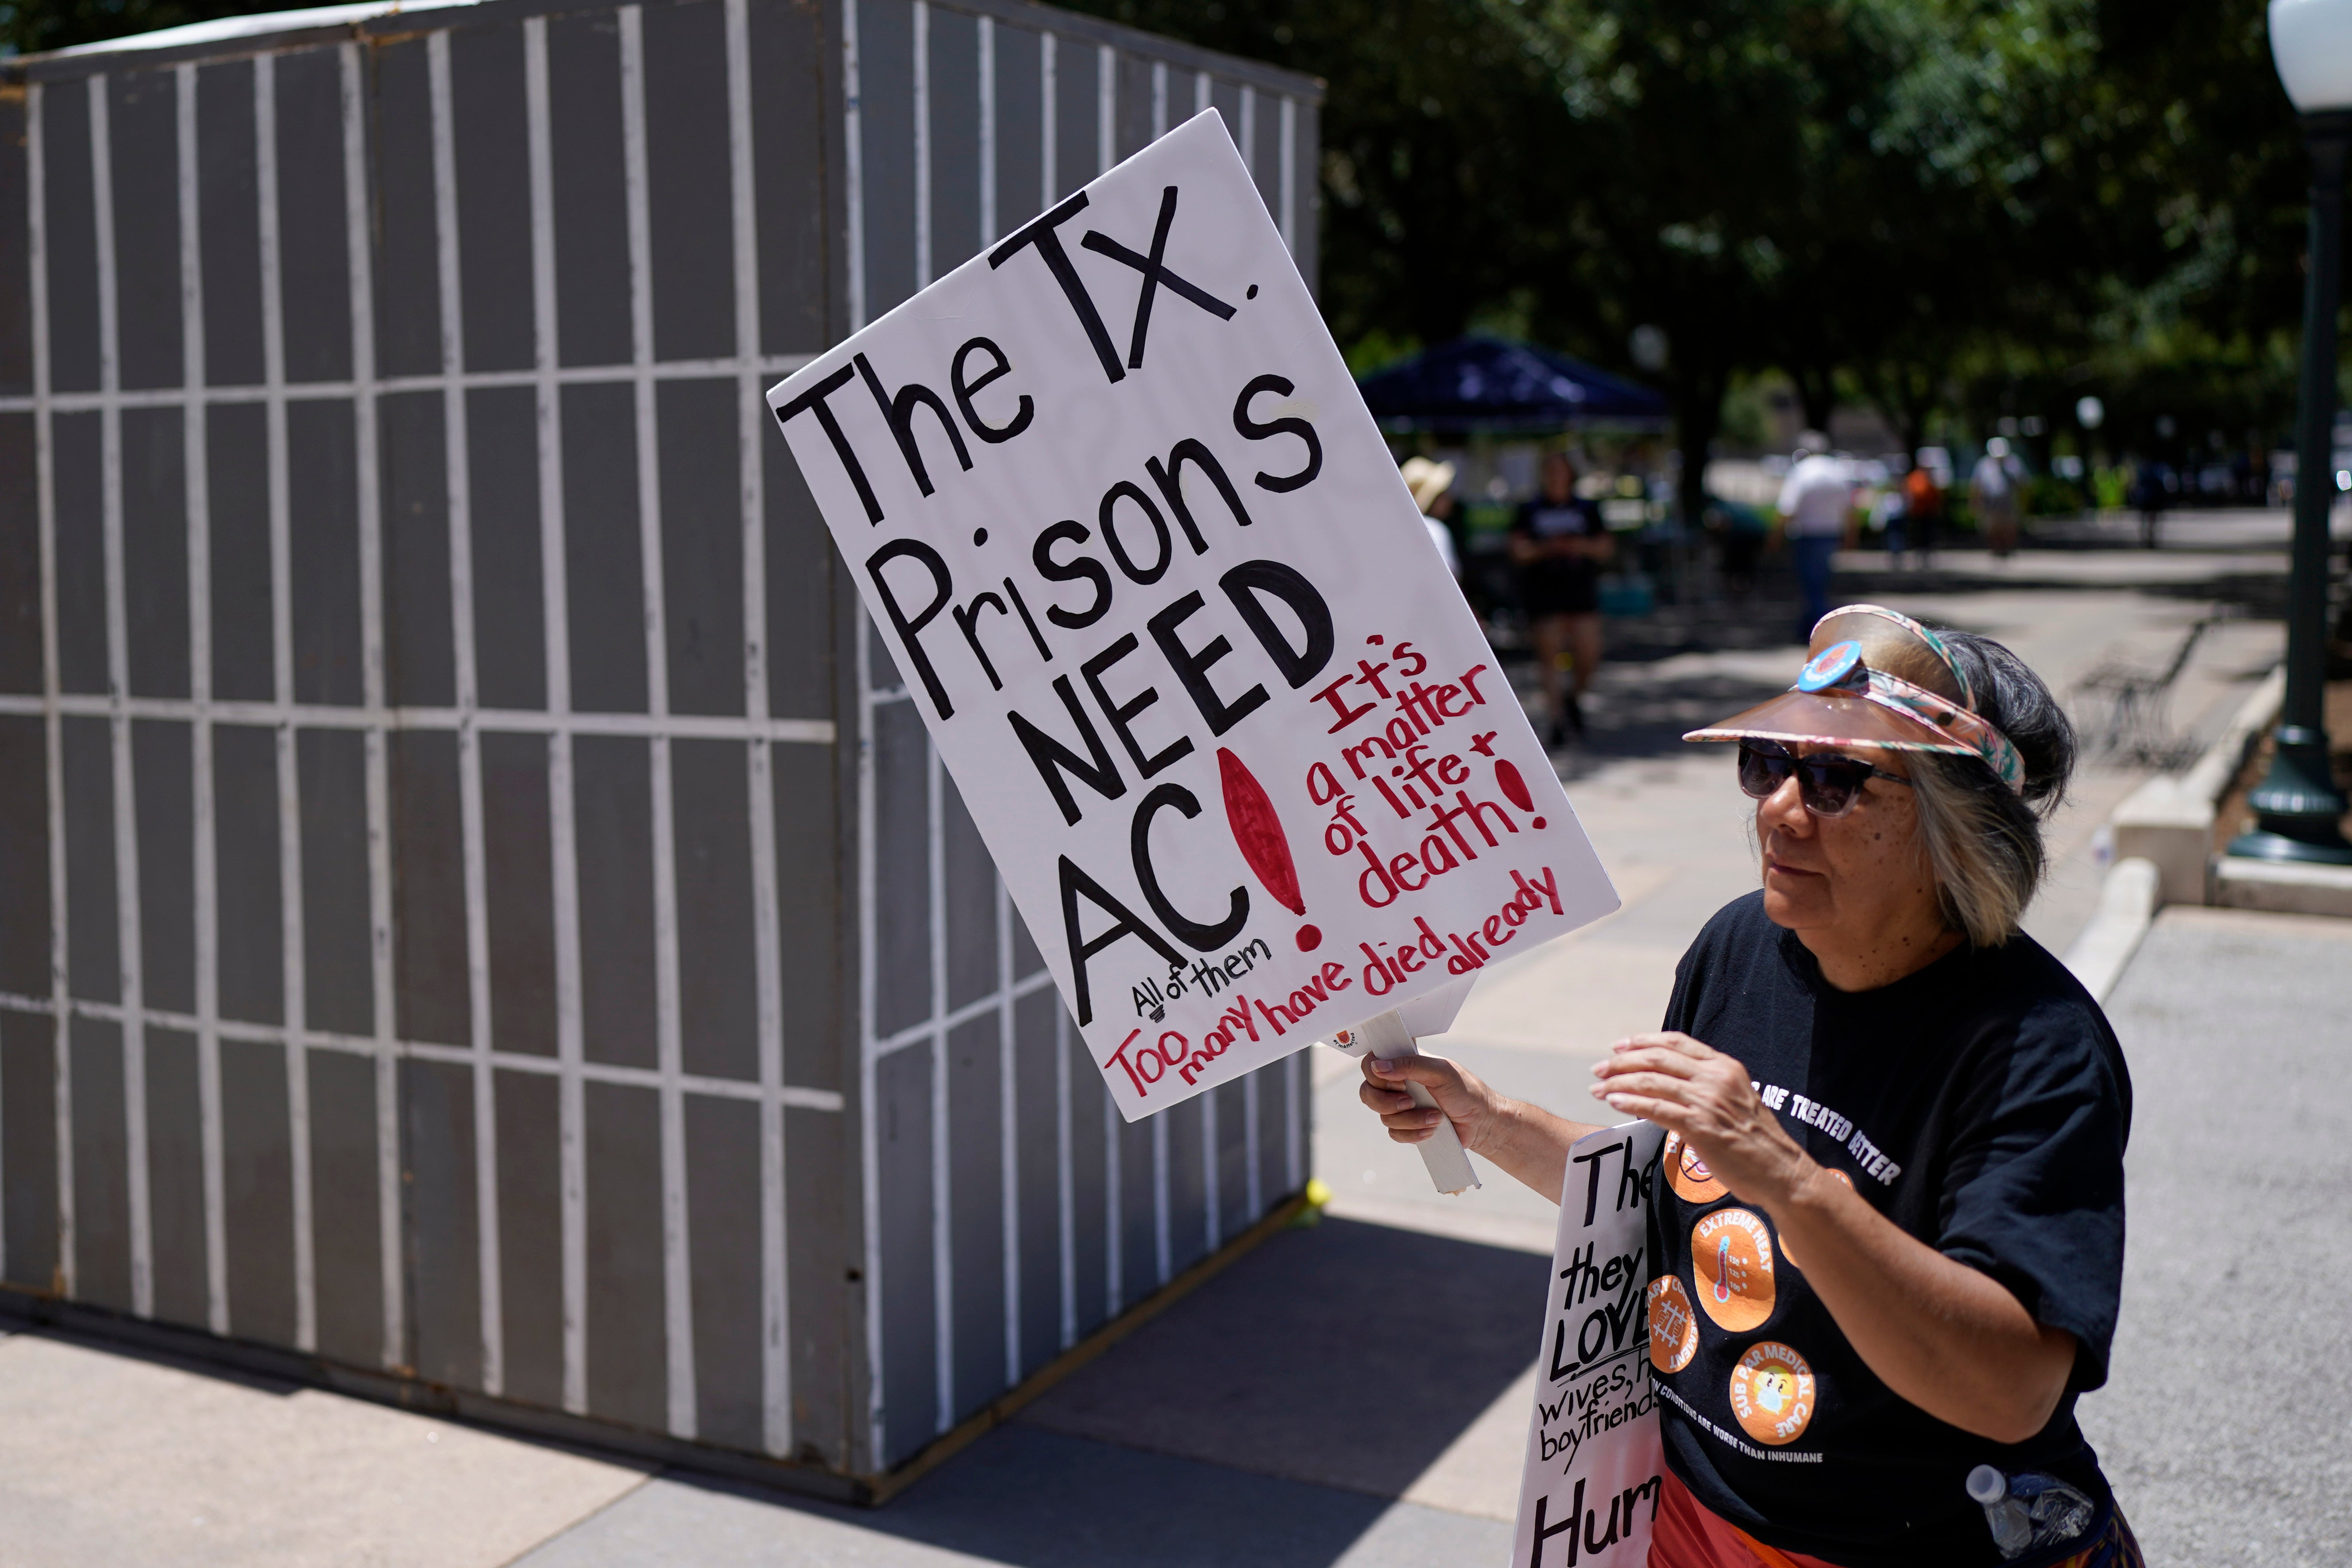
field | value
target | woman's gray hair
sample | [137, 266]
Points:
[1982, 838]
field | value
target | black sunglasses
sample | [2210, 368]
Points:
[1827, 782]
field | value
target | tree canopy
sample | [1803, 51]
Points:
[1955, 208]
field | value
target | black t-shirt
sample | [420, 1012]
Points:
[1559, 582]
[1981, 1104]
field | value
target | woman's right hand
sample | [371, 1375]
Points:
[1526, 1141]
[1462, 1098]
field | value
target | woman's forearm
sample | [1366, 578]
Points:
[1530, 1143]
[1952, 1341]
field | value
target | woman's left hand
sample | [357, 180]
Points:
[1690, 1088]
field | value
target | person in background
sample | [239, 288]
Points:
[1558, 544]
[1992, 491]
[1740, 532]
[1815, 502]
[1890, 514]
[1922, 508]
[1432, 485]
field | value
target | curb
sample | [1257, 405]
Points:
[2127, 903]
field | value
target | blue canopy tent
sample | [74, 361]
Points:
[1477, 383]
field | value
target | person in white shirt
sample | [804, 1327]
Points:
[1992, 488]
[1815, 502]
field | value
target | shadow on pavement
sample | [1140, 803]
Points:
[1271, 1418]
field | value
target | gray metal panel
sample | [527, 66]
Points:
[237, 457]
[314, 261]
[1020, 127]
[443, 1252]
[420, 660]
[1225, 98]
[802, 581]
[902, 1115]
[430, 994]
[1232, 1159]
[956, 147]
[492, 138]
[101, 1175]
[970, 909]
[531, 1230]
[509, 611]
[258, 1189]
[689, 204]
[885, 125]
[604, 550]
[625, 1356]
[821, 1195]
[76, 463]
[793, 62]
[16, 254]
[613, 790]
[23, 858]
[1134, 105]
[518, 877]
[143, 136]
[722, 1183]
[717, 1000]
[322, 483]
[228, 221]
[976, 1086]
[702, 545]
[1265, 150]
[162, 782]
[92, 936]
[338, 984]
[69, 219]
[1091, 1193]
[345, 1223]
[1138, 1213]
[902, 901]
[175, 1177]
[20, 558]
[1037, 1173]
[28, 1150]
[1307, 177]
[155, 550]
[592, 242]
[247, 910]
[1188, 1188]
[1077, 116]
[407, 280]
[809, 822]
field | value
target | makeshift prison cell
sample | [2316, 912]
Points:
[478, 922]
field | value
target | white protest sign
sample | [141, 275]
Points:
[1247, 766]
[1594, 1459]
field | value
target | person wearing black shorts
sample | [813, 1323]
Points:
[1557, 546]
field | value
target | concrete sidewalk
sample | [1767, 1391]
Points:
[2223, 1424]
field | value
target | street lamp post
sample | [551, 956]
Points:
[2297, 806]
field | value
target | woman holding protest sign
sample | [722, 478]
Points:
[1888, 1247]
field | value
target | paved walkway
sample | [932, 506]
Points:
[1354, 1394]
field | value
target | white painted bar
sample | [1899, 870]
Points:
[196, 464]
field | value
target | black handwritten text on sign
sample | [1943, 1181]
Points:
[1144, 563]
[1594, 1464]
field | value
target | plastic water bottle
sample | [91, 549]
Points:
[2028, 1510]
[2011, 1526]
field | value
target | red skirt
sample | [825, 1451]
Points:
[1688, 1534]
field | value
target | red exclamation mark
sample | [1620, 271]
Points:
[1258, 834]
[1515, 788]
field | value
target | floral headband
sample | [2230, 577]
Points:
[1839, 670]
